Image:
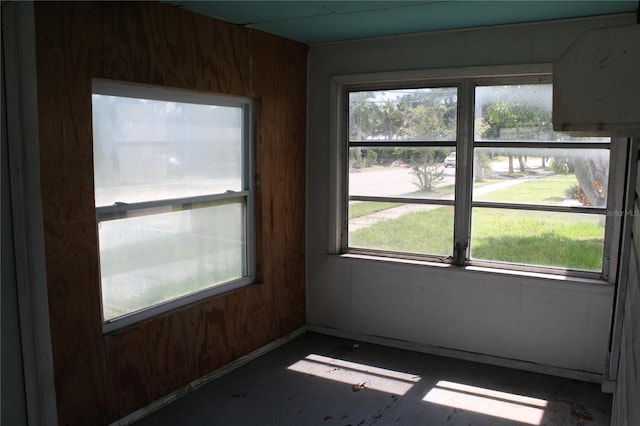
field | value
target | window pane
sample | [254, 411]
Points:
[566, 240]
[410, 228]
[576, 177]
[149, 150]
[403, 114]
[151, 259]
[402, 172]
[517, 113]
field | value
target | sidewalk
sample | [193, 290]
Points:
[395, 212]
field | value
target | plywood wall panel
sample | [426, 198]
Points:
[66, 62]
[101, 378]
[146, 375]
[282, 192]
[255, 306]
[166, 46]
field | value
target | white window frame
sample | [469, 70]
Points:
[105, 213]
[465, 79]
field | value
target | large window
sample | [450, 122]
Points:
[173, 195]
[398, 141]
[470, 172]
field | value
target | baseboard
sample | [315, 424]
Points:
[168, 399]
[467, 356]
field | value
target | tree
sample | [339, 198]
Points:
[482, 165]
[516, 119]
[430, 115]
[392, 120]
[521, 118]
[361, 120]
[428, 171]
[591, 173]
[362, 115]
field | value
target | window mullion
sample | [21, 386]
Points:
[464, 173]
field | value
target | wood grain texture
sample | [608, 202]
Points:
[156, 44]
[66, 63]
[101, 378]
[282, 191]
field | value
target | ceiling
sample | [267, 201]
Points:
[313, 22]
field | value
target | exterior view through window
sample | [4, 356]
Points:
[477, 179]
[398, 141]
[173, 195]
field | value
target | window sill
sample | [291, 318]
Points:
[351, 259]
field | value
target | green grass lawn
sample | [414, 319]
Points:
[539, 238]
[363, 208]
[573, 241]
[422, 232]
[548, 190]
[143, 273]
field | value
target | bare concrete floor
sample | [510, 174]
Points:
[322, 380]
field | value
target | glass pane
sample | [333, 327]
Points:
[402, 172]
[409, 228]
[403, 114]
[517, 113]
[147, 260]
[567, 240]
[148, 150]
[561, 177]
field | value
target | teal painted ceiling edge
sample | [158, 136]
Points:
[314, 22]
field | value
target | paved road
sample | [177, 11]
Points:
[390, 181]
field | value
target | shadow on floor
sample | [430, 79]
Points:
[323, 380]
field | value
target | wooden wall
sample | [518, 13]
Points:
[101, 378]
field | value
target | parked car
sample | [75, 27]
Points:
[450, 161]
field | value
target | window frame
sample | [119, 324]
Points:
[440, 84]
[246, 196]
[466, 80]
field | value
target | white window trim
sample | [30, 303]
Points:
[117, 88]
[340, 85]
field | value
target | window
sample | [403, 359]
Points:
[469, 171]
[173, 194]
[398, 141]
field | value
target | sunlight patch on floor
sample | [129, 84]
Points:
[360, 376]
[486, 401]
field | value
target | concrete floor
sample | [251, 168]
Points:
[322, 380]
